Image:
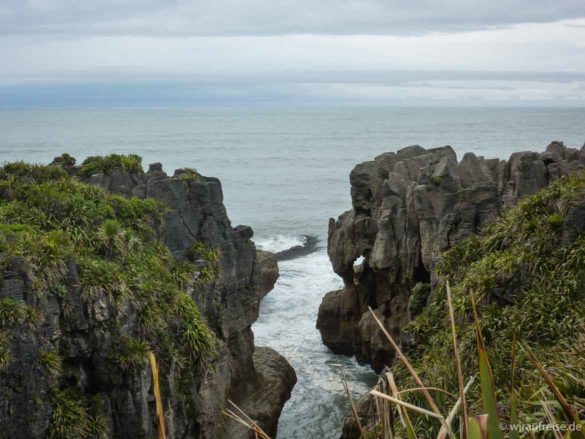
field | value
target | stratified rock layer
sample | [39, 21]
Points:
[408, 207]
[262, 381]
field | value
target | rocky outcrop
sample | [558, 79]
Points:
[407, 208]
[266, 271]
[195, 214]
[272, 388]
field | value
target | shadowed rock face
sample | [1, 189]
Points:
[407, 208]
[261, 381]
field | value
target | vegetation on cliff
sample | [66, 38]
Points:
[527, 274]
[62, 231]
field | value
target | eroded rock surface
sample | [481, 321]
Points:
[408, 207]
[230, 305]
[263, 402]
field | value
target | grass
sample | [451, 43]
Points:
[130, 163]
[525, 282]
[133, 353]
[128, 278]
[13, 313]
[76, 416]
[190, 174]
[69, 417]
[52, 363]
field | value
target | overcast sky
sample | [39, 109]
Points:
[149, 52]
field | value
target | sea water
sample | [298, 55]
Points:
[285, 172]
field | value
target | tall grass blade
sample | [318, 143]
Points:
[474, 429]
[384, 410]
[405, 404]
[457, 362]
[245, 420]
[402, 412]
[160, 416]
[514, 434]
[570, 414]
[488, 394]
[443, 433]
[551, 419]
[402, 357]
[351, 403]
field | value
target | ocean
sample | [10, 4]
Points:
[285, 172]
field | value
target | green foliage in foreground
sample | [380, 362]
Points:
[49, 219]
[523, 279]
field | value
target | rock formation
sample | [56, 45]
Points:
[408, 207]
[259, 380]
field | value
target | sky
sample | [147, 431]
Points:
[193, 52]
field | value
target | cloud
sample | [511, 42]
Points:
[150, 52]
[273, 17]
[525, 49]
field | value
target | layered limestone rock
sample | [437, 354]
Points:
[261, 380]
[407, 208]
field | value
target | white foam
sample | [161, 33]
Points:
[279, 243]
[287, 324]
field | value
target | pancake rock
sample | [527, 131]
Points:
[407, 208]
[229, 305]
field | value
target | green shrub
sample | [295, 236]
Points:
[189, 174]
[130, 163]
[52, 363]
[133, 353]
[436, 180]
[36, 173]
[69, 417]
[65, 160]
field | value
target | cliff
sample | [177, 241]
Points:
[407, 208]
[103, 263]
[525, 274]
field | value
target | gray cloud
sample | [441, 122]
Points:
[273, 17]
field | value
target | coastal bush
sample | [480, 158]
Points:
[525, 280]
[65, 160]
[189, 174]
[130, 163]
[50, 220]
